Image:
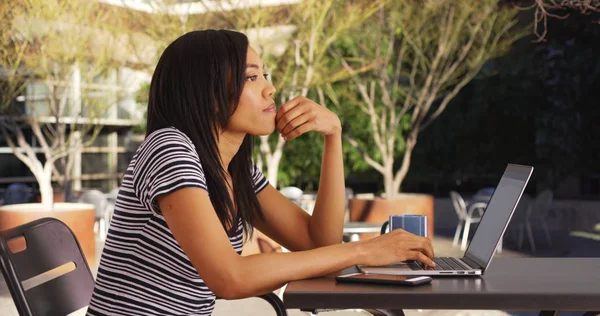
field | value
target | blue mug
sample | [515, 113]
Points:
[412, 223]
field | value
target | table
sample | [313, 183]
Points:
[543, 284]
[355, 228]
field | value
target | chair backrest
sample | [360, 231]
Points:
[17, 193]
[349, 193]
[460, 207]
[114, 192]
[484, 195]
[522, 211]
[542, 203]
[97, 198]
[292, 193]
[50, 276]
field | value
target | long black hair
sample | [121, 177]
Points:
[195, 88]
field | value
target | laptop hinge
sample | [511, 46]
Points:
[471, 263]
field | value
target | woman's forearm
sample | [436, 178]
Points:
[263, 273]
[327, 221]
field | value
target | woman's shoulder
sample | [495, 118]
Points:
[165, 143]
[167, 135]
[167, 132]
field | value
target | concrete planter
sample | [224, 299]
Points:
[378, 210]
[57, 197]
[80, 218]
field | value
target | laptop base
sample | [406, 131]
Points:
[404, 269]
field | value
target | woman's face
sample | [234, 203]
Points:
[256, 111]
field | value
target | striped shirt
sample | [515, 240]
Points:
[142, 270]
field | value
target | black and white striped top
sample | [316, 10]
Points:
[143, 271]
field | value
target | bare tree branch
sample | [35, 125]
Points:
[444, 44]
[545, 8]
[377, 166]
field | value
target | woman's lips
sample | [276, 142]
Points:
[271, 109]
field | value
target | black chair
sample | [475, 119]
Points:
[50, 276]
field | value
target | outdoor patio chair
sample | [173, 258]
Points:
[50, 276]
[111, 202]
[98, 199]
[536, 213]
[466, 217]
[484, 195]
[518, 218]
[47, 274]
[295, 195]
[349, 195]
[292, 193]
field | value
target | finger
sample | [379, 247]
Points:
[426, 247]
[288, 106]
[299, 130]
[425, 260]
[411, 255]
[397, 231]
[297, 121]
[416, 242]
[430, 246]
[423, 246]
[291, 114]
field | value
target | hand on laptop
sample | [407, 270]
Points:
[396, 246]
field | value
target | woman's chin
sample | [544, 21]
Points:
[264, 131]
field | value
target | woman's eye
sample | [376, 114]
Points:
[266, 76]
[252, 78]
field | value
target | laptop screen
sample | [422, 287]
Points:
[498, 213]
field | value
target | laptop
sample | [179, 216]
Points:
[487, 236]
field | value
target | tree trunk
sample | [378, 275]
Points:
[388, 182]
[272, 158]
[272, 170]
[44, 179]
[403, 171]
[273, 166]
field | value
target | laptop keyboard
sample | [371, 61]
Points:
[442, 263]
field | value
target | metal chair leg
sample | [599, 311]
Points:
[530, 236]
[465, 237]
[459, 227]
[520, 238]
[500, 245]
[102, 229]
[547, 232]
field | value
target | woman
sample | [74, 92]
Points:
[191, 191]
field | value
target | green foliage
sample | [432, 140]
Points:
[301, 161]
[401, 69]
[12, 51]
[141, 99]
[303, 66]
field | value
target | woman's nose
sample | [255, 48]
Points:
[269, 90]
